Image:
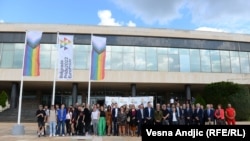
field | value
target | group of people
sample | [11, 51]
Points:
[127, 119]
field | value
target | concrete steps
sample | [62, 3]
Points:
[28, 111]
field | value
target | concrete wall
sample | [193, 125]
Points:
[112, 30]
[133, 77]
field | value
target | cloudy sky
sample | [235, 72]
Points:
[207, 15]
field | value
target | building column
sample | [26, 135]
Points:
[188, 92]
[13, 96]
[74, 92]
[133, 90]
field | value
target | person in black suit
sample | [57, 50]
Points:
[115, 111]
[178, 112]
[198, 115]
[140, 118]
[188, 113]
[149, 114]
[173, 119]
[209, 115]
[165, 114]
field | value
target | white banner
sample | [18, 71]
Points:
[129, 100]
[65, 57]
[109, 100]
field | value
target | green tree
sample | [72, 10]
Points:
[241, 102]
[3, 98]
[219, 92]
[200, 99]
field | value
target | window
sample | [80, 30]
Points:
[7, 55]
[151, 59]
[235, 61]
[116, 61]
[215, 60]
[1, 48]
[162, 63]
[81, 56]
[45, 55]
[140, 63]
[7, 59]
[108, 60]
[81, 59]
[162, 50]
[184, 60]
[128, 61]
[195, 60]
[18, 56]
[173, 62]
[205, 61]
[225, 61]
[244, 62]
[116, 48]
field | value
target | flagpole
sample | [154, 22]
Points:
[55, 68]
[90, 61]
[19, 129]
[21, 85]
[20, 100]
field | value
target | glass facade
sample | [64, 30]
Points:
[137, 58]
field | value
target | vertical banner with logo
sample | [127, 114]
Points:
[65, 57]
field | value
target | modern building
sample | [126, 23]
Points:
[162, 63]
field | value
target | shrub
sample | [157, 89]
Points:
[219, 92]
[3, 98]
[229, 92]
[241, 102]
[200, 99]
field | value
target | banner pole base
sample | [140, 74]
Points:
[18, 129]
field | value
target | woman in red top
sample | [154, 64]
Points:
[230, 115]
[219, 115]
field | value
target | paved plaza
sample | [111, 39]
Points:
[30, 135]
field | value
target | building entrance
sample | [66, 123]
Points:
[60, 99]
[97, 100]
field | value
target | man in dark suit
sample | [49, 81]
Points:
[209, 115]
[178, 111]
[188, 115]
[198, 115]
[115, 111]
[165, 114]
[149, 114]
[140, 118]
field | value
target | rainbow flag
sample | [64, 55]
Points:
[98, 57]
[31, 66]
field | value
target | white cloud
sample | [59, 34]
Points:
[106, 19]
[131, 24]
[228, 15]
[151, 11]
[210, 29]
[1, 21]
[222, 12]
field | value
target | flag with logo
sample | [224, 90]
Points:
[65, 57]
[31, 62]
[98, 56]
